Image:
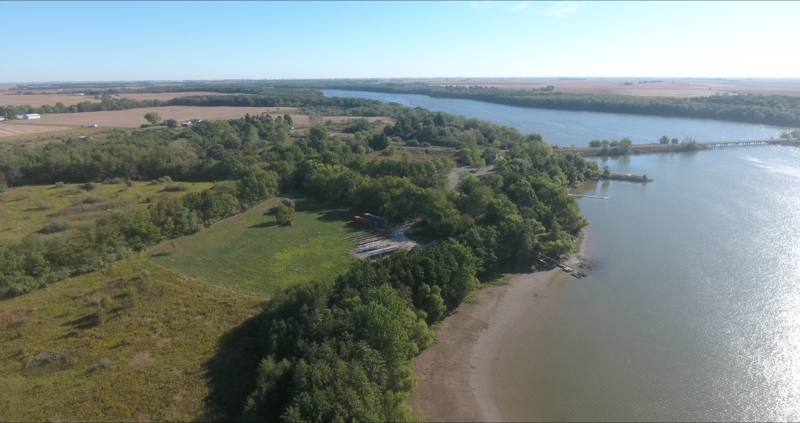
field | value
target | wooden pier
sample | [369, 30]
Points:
[749, 143]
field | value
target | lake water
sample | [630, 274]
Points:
[694, 310]
[566, 128]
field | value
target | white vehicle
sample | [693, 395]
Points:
[94, 125]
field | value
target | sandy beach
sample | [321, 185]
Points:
[456, 376]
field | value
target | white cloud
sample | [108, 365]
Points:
[560, 10]
[522, 5]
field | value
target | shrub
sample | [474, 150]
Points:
[59, 185]
[288, 202]
[93, 199]
[56, 226]
[42, 205]
[155, 182]
[129, 183]
[165, 178]
[103, 364]
[45, 358]
[150, 199]
[113, 181]
[89, 186]
[174, 188]
[3, 187]
[131, 295]
[76, 190]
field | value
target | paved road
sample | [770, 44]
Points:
[453, 176]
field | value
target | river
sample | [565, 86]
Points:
[694, 311]
[568, 128]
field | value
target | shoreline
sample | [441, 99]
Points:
[455, 376]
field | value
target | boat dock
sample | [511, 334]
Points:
[588, 196]
[551, 262]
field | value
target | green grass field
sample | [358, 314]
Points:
[27, 209]
[252, 253]
[141, 357]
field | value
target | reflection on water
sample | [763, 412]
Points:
[566, 128]
[694, 312]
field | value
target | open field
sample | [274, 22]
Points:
[21, 212]
[127, 343]
[133, 118]
[302, 120]
[48, 137]
[252, 253]
[38, 100]
[8, 129]
[670, 87]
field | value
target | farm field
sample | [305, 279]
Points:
[21, 210]
[670, 87]
[133, 118]
[131, 342]
[38, 100]
[252, 253]
[39, 138]
[8, 129]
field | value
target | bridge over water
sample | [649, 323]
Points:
[745, 143]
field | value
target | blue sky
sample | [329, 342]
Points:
[81, 41]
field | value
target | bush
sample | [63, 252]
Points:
[56, 226]
[283, 214]
[288, 202]
[3, 187]
[155, 182]
[59, 185]
[103, 364]
[46, 358]
[175, 188]
[165, 179]
[77, 190]
[129, 183]
[93, 199]
[89, 186]
[113, 181]
[42, 205]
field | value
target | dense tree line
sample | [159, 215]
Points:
[762, 109]
[327, 168]
[329, 351]
[343, 352]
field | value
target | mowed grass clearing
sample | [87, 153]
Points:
[252, 253]
[27, 209]
[143, 359]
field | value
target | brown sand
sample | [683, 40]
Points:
[9, 98]
[456, 377]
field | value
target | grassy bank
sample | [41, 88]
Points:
[28, 209]
[127, 343]
[252, 253]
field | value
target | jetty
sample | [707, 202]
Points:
[551, 262]
[588, 196]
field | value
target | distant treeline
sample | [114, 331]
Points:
[769, 110]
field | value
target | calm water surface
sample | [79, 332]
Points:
[566, 128]
[694, 312]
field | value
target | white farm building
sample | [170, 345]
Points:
[31, 116]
